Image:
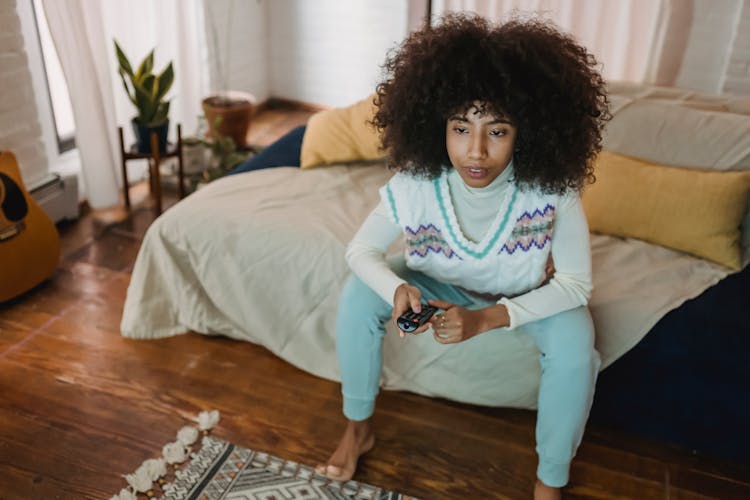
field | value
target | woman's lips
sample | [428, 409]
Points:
[476, 172]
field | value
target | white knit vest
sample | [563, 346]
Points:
[508, 261]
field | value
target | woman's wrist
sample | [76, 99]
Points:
[494, 317]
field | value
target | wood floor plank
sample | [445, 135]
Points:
[119, 255]
[263, 132]
[40, 443]
[11, 335]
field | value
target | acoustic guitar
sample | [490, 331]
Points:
[29, 242]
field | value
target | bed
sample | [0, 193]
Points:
[259, 257]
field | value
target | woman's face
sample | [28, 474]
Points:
[480, 145]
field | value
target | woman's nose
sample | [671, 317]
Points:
[477, 147]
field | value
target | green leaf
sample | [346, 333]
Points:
[139, 89]
[149, 85]
[144, 100]
[146, 65]
[131, 95]
[141, 104]
[122, 60]
[161, 114]
[164, 82]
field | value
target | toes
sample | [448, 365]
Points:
[337, 473]
[333, 471]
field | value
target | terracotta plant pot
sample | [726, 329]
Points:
[229, 116]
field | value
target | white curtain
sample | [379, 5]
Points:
[695, 44]
[83, 32]
[620, 33]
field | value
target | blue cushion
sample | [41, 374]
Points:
[285, 152]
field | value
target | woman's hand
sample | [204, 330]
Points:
[456, 324]
[407, 297]
[549, 270]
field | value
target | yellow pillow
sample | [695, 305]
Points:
[695, 211]
[341, 135]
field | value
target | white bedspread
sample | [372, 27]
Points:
[260, 257]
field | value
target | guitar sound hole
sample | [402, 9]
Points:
[14, 204]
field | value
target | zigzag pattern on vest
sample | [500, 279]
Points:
[426, 239]
[531, 230]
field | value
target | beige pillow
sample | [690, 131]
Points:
[670, 134]
[341, 135]
[692, 210]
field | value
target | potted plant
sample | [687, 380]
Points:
[206, 158]
[195, 150]
[224, 157]
[147, 92]
[228, 113]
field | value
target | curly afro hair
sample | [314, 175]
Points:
[540, 79]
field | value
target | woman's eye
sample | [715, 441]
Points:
[460, 130]
[497, 133]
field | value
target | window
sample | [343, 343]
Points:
[57, 88]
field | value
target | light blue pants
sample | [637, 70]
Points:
[569, 365]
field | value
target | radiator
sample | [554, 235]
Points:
[57, 195]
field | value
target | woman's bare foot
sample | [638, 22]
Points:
[357, 440]
[544, 492]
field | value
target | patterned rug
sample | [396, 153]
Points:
[221, 470]
[198, 466]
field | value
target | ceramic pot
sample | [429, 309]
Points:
[143, 136]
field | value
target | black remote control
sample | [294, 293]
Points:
[410, 321]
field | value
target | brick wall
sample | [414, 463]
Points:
[19, 123]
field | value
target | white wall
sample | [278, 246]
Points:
[329, 51]
[238, 31]
[20, 129]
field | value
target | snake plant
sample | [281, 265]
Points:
[145, 89]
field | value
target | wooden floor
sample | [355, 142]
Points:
[80, 406]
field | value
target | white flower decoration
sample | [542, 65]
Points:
[125, 494]
[174, 452]
[208, 419]
[154, 468]
[187, 435]
[139, 481]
